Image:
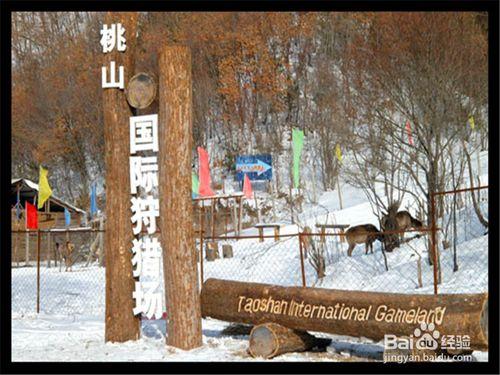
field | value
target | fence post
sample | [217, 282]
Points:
[201, 246]
[38, 272]
[48, 248]
[302, 261]
[27, 248]
[433, 241]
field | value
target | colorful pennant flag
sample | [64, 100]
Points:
[204, 174]
[195, 185]
[93, 200]
[67, 217]
[471, 122]
[44, 190]
[31, 216]
[338, 152]
[408, 131]
[297, 145]
[247, 187]
[18, 205]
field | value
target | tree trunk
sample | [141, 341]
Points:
[346, 312]
[270, 340]
[176, 222]
[121, 324]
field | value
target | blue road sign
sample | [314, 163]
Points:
[258, 167]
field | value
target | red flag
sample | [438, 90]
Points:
[31, 216]
[247, 187]
[408, 130]
[204, 174]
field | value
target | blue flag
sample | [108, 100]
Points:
[18, 206]
[67, 217]
[93, 200]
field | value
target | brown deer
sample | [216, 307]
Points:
[404, 221]
[359, 234]
[68, 255]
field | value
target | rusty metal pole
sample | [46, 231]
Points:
[202, 232]
[302, 268]
[240, 215]
[38, 272]
[433, 243]
[212, 217]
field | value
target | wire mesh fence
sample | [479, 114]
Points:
[259, 259]
[462, 242]
[62, 271]
[58, 272]
[321, 260]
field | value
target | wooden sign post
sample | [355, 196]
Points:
[176, 216]
[121, 324]
[347, 312]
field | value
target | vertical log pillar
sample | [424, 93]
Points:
[176, 210]
[121, 324]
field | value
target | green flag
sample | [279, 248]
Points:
[195, 184]
[297, 143]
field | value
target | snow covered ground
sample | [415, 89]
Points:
[56, 335]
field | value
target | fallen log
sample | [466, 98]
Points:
[345, 312]
[270, 340]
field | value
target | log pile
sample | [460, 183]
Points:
[342, 312]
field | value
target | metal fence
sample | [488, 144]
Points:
[58, 272]
[461, 246]
[320, 260]
[451, 256]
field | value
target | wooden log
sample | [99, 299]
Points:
[270, 340]
[120, 323]
[345, 312]
[227, 251]
[175, 133]
[261, 234]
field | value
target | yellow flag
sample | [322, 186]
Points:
[44, 190]
[338, 152]
[471, 122]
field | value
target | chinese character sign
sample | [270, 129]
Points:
[113, 37]
[145, 207]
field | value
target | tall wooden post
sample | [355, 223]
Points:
[121, 324]
[176, 210]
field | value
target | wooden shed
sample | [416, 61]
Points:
[50, 216]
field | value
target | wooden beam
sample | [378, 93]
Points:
[176, 221]
[121, 323]
[347, 312]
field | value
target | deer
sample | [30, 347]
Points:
[359, 234]
[404, 221]
[67, 256]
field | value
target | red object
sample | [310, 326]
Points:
[408, 130]
[204, 174]
[247, 187]
[31, 216]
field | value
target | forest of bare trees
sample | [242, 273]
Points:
[353, 79]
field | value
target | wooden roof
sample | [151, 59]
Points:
[28, 189]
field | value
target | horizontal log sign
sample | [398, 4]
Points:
[346, 312]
